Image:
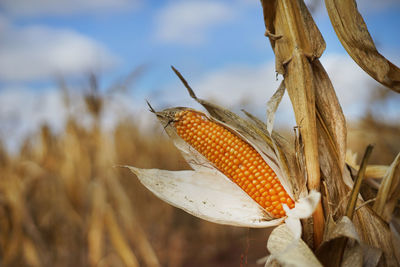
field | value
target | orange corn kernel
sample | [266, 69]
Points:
[235, 158]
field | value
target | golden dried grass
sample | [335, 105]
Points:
[63, 203]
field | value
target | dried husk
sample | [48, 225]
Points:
[272, 106]
[288, 250]
[343, 233]
[355, 38]
[329, 113]
[389, 191]
[370, 227]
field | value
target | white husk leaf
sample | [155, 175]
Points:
[208, 195]
[389, 191]
[304, 208]
[289, 250]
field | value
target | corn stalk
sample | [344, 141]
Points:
[298, 44]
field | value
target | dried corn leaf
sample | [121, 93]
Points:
[272, 106]
[389, 191]
[375, 233]
[372, 171]
[288, 250]
[331, 128]
[301, 93]
[335, 243]
[371, 229]
[329, 112]
[355, 38]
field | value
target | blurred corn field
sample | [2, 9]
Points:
[63, 201]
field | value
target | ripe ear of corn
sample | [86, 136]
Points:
[235, 158]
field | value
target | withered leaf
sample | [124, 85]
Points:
[289, 251]
[329, 112]
[355, 38]
[389, 191]
[343, 247]
[272, 106]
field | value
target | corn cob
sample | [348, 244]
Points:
[235, 158]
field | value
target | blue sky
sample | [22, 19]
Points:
[218, 45]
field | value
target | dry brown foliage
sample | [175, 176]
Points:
[64, 203]
[298, 45]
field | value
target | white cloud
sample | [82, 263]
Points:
[187, 22]
[58, 7]
[250, 87]
[23, 110]
[35, 52]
